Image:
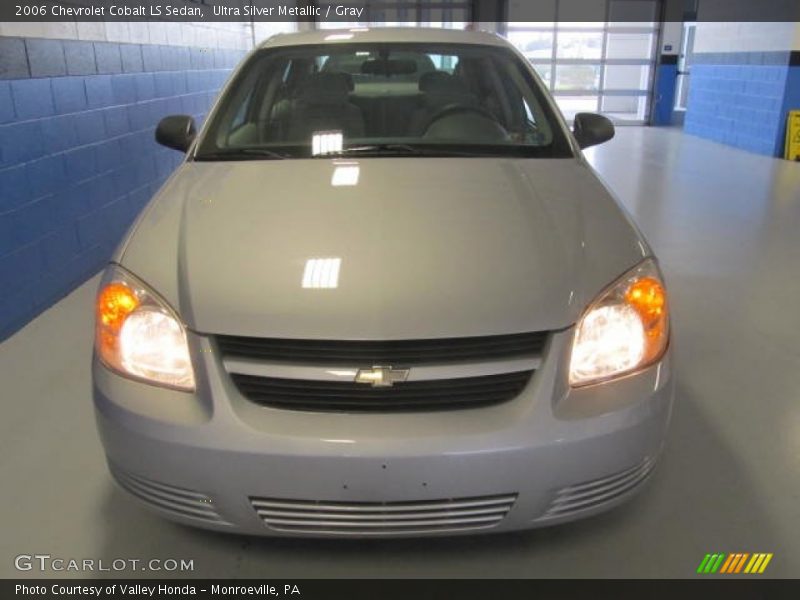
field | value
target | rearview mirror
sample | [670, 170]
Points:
[176, 132]
[591, 129]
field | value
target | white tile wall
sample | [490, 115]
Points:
[177, 35]
[671, 34]
[745, 37]
[117, 31]
[235, 35]
[140, 32]
[43, 30]
[91, 30]
[158, 33]
[263, 30]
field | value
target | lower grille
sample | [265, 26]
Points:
[584, 496]
[382, 518]
[435, 394]
[175, 500]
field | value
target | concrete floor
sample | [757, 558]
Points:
[726, 225]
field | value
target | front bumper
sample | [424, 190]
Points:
[552, 454]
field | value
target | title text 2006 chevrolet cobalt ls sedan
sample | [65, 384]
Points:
[384, 295]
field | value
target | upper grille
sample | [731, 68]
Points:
[383, 518]
[584, 496]
[394, 352]
[433, 394]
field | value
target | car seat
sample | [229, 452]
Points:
[323, 104]
[440, 89]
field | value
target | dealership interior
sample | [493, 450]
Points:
[700, 160]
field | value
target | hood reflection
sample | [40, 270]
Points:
[321, 273]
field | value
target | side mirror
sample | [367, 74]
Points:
[176, 131]
[591, 129]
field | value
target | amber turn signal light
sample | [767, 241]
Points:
[114, 303]
[648, 298]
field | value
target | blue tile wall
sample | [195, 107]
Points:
[78, 159]
[13, 58]
[741, 100]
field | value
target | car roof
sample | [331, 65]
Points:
[428, 35]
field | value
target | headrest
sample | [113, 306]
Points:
[388, 67]
[328, 85]
[439, 82]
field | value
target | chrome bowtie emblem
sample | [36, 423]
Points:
[381, 376]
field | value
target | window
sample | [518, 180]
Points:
[363, 99]
[605, 65]
[241, 117]
[444, 63]
[449, 14]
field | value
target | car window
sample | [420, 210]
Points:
[444, 62]
[385, 98]
[240, 119]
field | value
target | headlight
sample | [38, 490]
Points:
[625, 329]
[138, 335]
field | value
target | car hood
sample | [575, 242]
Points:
[404, 247]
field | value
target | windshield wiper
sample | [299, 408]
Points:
[400, 150]
[242, 154]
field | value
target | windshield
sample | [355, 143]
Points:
[383, 99]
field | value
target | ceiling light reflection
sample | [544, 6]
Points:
[321, 273]
[326, 142]
[345, 174]
[349, 373]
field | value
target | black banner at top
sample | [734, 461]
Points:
[376, 11]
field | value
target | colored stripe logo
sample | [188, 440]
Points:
[736, 563]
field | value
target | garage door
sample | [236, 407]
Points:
[450, 14]
[602, 66]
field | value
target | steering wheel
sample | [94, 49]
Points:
[457, 109]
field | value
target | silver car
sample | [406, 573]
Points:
[384, 295]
